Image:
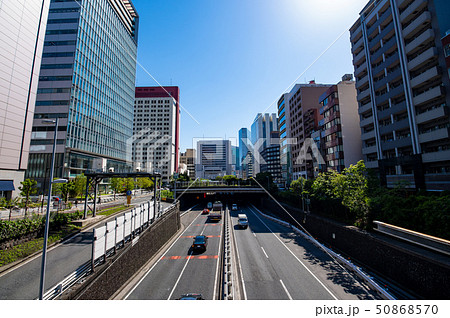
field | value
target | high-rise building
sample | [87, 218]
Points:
[285, 136]
[155, 130]
[244, 148]
[235, 161]
[339, 127]
[188, 158]
[22, 39]
[261, 128]
[271, 158]
[87, 80]
[403, 90]
[213, 159]
[304, 118]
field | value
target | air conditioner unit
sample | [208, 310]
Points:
[111, 169]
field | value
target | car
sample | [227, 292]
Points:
[234, 207]
[192, 296]
[242, 221]
[205, 211]
[200, 243]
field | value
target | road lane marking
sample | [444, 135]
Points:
[190, 257]
[264, 252]
[285, 289]
[140, 281]
[179, 277]
[256, 214]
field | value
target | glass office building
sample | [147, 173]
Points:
[87, 80]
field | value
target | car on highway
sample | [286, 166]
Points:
[242, 221]
[200, 243]
[205, 211]
[192, 296]
[234, 207]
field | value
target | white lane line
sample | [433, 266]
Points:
[240, 266]
[216, 279]
[140, 281]
[264, 252]
[256, 214]
[179, 277]
[285, 289]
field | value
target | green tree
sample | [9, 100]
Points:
[28, 188]
[144, 183]
[63, 190]
[79, 186]
[128, 184]
[9, 204]
[229, 179]
[116, 185]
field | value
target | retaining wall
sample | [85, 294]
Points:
[110, 277]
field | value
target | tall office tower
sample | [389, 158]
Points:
[22, 39]
[271, 157]
[156, 130]
[213, 159]
[244, 148]
[235, 160]
[261, 128]
[87, 81]
[304, 118]
[285, 136]
[188, 158]
[446, 45]
[403, 90]
[339, 127]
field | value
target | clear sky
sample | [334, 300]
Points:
[233, 59]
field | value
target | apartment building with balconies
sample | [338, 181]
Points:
[304, 119]
[403, 90]
[340, 134]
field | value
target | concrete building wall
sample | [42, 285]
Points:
[22, 31]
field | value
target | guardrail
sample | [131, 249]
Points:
[107, 239]
[344, 262]
[227, 280]
[424, 240]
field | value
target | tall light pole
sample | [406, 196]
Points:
[47, 217]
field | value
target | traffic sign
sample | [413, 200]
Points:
[128, 192]
[175, 175]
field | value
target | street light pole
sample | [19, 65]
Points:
[47, 218]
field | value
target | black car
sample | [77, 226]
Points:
[200, 243]
[191, 297]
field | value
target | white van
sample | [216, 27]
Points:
[242, 221]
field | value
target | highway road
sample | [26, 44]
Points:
[22, 281]
[272, 263]
[179, 271]
[275, 263]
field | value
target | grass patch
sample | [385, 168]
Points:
[27, 248]
[110, 211]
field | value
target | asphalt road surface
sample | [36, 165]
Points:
[22, 281]
[275, 263]
[180, 271]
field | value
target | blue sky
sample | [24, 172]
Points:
[233, 59]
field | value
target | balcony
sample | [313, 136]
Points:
[433, 114]
[422, 58]
[424, 18]
[392, 93]
[365, 122]
[364, 108]
[356, 33]
[383, 33]
[428, 35]
[394, 109]
[425, 76]
[437, 134]
[368, 150]
[332, 143]
[371, 164]
[428, 95]
[368, 135]
[362, 81]
[399, 143]
[362, 67]
[398, 125]
[415, 6]
[363, 94]
[357, 59]
[436, 156]
[357, 45]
